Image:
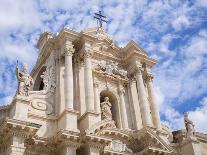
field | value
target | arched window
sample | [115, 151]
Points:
[38, 84]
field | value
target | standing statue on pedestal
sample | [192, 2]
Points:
[189, 126]
[106, 109]
[24, 81]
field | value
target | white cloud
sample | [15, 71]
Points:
[180, 23]
[175, 120]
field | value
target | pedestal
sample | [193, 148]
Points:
[88, 119]
[190, 147]
[68, 120]
[20, 107]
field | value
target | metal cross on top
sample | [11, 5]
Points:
[101, 18]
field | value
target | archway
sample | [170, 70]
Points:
[115, 108]
[38, 84]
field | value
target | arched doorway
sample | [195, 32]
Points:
[38, 84]
[115, 108]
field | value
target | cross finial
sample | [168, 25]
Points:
[100, 18]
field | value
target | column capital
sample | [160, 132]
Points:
[69, 50]
[88, 53]
[149, 77]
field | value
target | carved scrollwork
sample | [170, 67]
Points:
[42, 105]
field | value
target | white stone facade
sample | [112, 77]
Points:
[89, 97]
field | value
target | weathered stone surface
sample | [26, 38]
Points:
[89, 97]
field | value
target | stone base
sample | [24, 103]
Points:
[88, 119]
[68, 120]
[190, 147]
[19, 108]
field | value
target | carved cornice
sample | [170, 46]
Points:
[13, 127]
[113, 78]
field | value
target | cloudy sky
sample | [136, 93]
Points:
[172, 31]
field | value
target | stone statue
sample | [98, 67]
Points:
[189, 126]
[24, 81]
[106, 109]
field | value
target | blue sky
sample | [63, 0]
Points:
[172, 31]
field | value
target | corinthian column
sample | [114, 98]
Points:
[154, 109]
[89, 92]
[123, 107]
[68, 76]
[144, 105]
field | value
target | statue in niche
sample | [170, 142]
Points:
[106, 109]
[49, 81]
[24, 81]
[189, 126]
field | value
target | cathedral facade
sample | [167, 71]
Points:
[87, 96]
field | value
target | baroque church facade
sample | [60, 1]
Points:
[87, 96]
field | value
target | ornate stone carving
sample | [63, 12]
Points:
[148, 77]
[111, 68]
[88, 53]
[49, 79]
[116, 146]
[42, 105]
[24, 81]
[69, 50]
[106, 109]
[189, 126]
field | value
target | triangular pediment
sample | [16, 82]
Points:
[132, 46]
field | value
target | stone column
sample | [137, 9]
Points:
[144, 105]
[97, 98]
[123, 107]
[152, 99]
[68, 76]
[135, 103]
[17, 146]
[89, 92]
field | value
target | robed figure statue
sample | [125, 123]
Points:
[106, 109]
[24, 81]
[189, 126]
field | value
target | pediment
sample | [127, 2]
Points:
[132, 46]
[147, 141]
